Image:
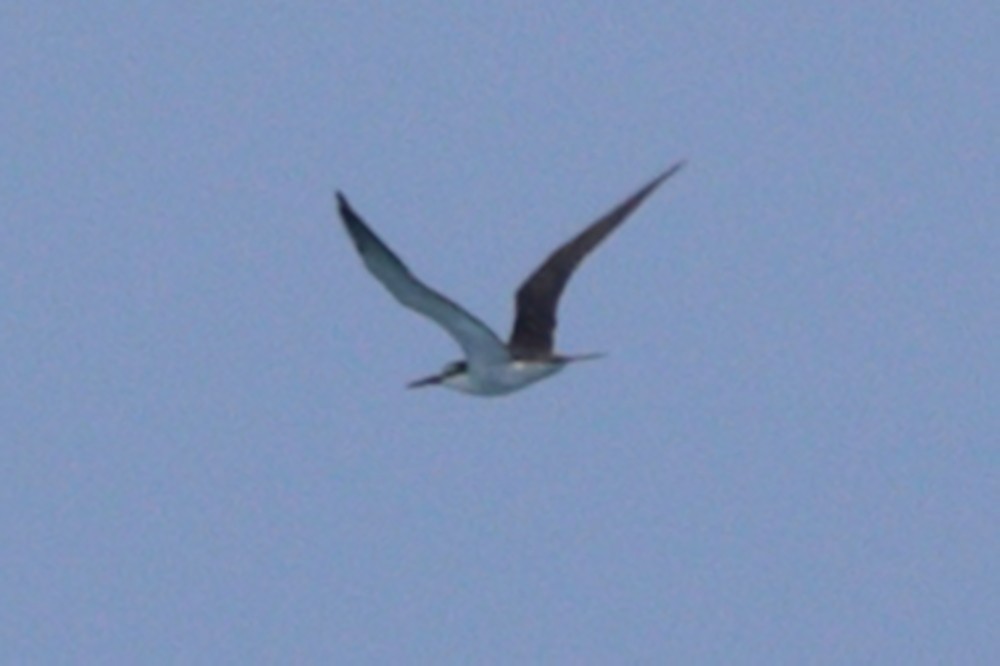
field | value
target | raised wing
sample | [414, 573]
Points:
[480, 344]
[538, 296]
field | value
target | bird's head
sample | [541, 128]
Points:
[453, 369]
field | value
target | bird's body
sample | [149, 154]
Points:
[491, 367]
[495, 379]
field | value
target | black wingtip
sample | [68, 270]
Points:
[674, 168]
[347, 213]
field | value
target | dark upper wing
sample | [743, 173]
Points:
[538, 296]
[480, 344]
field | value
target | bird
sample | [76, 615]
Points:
[491, 367]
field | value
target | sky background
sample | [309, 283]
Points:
[790, 455]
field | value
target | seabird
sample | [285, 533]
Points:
[491, 367]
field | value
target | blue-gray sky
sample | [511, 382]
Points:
[790, 454]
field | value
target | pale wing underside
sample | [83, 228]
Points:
[538, 296]
[481, 345]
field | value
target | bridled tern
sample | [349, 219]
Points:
[490, 366]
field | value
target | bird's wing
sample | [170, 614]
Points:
[480, 344]
[538, 296]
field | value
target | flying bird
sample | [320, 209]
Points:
[490, 367]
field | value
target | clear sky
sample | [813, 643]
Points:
[790, 455]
